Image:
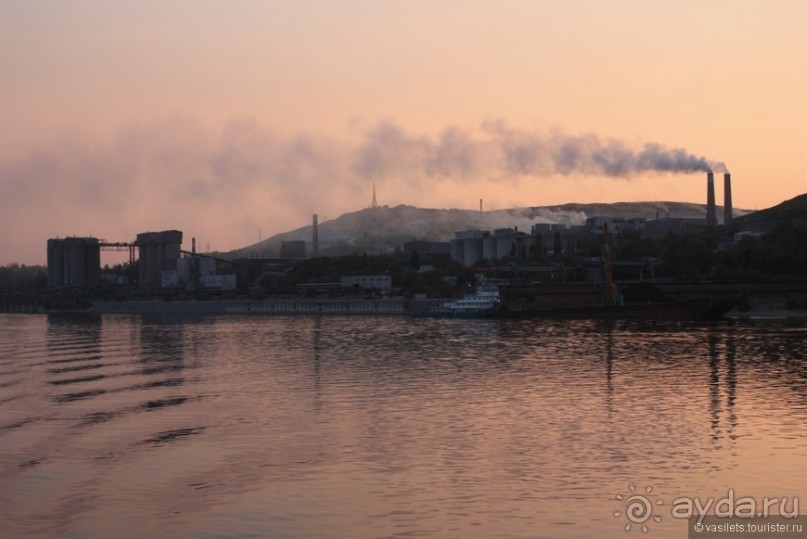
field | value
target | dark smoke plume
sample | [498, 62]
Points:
[501, 152]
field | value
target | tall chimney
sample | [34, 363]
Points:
[193, 245]
[727, 208]
[315, 238]
[711, 209]
[480, 205]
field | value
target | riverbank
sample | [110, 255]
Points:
[269, 306]
[765, 313]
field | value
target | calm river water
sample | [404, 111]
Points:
[352, 427]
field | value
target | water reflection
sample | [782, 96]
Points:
[383, 427]
[714, 386]
[731, 386]
[606, 328]
[165, 342]
[722, 381]
[162, 346]
[74, 344]
[316, 349]
[173, 435]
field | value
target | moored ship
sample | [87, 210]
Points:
[486, 302]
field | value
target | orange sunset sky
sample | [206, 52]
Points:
[223, 118]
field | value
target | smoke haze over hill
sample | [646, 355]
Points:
[386, 228]
[223, 184]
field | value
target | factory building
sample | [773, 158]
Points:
[616, 225]
[158, 252]
[74, 262]
[197, 271]
[470, 246]
[189, 272]
[223, 282]
[466, 247]
[659, 228]
[292, 249]
[547, 238]
[511, 242]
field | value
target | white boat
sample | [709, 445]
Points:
[486, 301]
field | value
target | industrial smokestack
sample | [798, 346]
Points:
[711, 209]
[727, 208]
[480, 205]
[315, 238]
[193, 245]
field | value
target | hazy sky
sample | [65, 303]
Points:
[223, 118]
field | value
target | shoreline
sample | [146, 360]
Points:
[767, 314]
[270, 306]
[382, 307]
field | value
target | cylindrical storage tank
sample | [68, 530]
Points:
[472, 251]
[504, 246]
[457, 251]
[489, 247]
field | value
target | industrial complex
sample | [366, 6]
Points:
[471, 246]
[161, 263]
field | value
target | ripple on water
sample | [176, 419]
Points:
[117, 426]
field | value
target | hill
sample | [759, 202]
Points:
[794, 210]
[385, 228]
